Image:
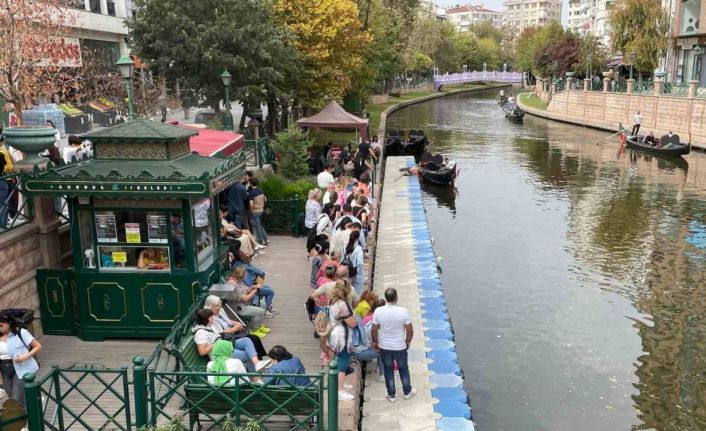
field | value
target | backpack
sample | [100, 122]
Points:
[322, 323]
[352, 270]
[312, 237]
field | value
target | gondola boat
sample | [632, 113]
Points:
[668, 145]
[436, 170]
[516, 115]
[397, 145]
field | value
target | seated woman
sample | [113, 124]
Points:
[650, 139]
[285, 363]
[245, 296]
[205, 336]
[230, 329]
[256, 276]
[152, 258]
[224, 363]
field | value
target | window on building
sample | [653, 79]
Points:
[95, 6]
[108, 52]
[77, 4]
[111, 7]
[690, 16]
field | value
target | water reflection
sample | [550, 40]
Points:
[575, 274]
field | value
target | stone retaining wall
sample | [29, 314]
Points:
[604, 110]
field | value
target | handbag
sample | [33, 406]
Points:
[322, 323]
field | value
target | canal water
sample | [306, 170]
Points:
[574, 276]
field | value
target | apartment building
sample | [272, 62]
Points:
[688, 42]
[99, 26]
[428, 8]
[463, 17]
[520, 14]
[591, 17]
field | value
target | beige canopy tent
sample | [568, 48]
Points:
[335, 117]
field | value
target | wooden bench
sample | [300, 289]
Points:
[272, 400]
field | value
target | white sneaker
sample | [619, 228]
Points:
[262, 364]
[2, 393]
[347, 386]
[345, 396]
[411, 393]
[273, 310]
[259, 247]
[268, 314]
[391, 399]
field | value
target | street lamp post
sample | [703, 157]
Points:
[125, 65]
[632, 62]
[694, 72]
[227, 117]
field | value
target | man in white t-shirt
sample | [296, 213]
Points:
[325, 177]
[392, 332]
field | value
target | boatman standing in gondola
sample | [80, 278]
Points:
[638, 121]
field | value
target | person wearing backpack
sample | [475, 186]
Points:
[340, 338]
[353, 259]
[18, 350]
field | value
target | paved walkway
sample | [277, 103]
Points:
[287, 272]
[405, 261]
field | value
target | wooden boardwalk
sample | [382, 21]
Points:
[288, 274]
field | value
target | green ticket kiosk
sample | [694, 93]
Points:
[145, 232]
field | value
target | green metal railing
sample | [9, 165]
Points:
[284, 215]
[577, 84]
[81, 397]
[16, 207]
[258, 152]
[676, 89]
[238, 399]
[596, 85]
[559, 85]
[644, 87]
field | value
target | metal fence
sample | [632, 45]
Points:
[164, 389]
[259, 152]
[16, 207]
[284, 215]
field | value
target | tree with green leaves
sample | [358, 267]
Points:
[291, 145]
[642, 27]
[592, 58]
[197, 40]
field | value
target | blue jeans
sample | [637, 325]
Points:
[237, 219]
[369, 355]
[4, 204]
[244, 350]
[265, 292]
[388, 358]
[260, 233]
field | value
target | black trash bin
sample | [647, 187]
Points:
[23, 316]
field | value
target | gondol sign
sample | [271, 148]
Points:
[97, 188]
[62, 52]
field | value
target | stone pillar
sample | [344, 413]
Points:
[658, 87]
[569, 80]
[631, 86]
[48, 222]
[545, 85]
[586, 84]
[606, 82]
[692, 88]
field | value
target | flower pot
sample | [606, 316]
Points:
[31, 140]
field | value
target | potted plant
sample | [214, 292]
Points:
[31, 140]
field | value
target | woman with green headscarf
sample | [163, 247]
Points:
[223, 363]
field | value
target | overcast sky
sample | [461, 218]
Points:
[498, 5]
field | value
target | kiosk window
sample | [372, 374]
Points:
[202, 216]
[133, 258]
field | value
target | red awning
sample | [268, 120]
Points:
[210, 142]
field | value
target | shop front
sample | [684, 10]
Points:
[145, 232]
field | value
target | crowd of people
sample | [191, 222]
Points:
[350, 321]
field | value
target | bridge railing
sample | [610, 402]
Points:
[475, 76]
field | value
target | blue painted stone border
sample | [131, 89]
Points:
[453, 406]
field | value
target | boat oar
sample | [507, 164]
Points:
[608, 137]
